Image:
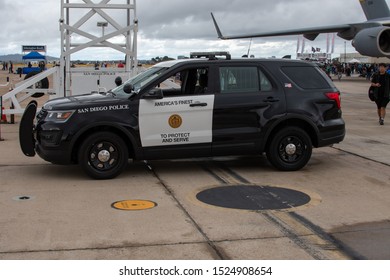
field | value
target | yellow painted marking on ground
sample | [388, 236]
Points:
[134, 205]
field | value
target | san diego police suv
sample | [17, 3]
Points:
[199, 107]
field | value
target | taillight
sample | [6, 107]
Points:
[336, 97]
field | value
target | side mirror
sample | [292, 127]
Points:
[128, 88]
[156, 93]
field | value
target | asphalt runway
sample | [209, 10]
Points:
[338, 207]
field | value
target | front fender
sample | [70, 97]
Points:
[130, 133]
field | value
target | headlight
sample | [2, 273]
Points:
[58, 116]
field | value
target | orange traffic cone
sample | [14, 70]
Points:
[3, 116]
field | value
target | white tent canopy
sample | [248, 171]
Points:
[354, 61]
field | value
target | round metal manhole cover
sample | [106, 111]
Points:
[250, 197]
[134, 205]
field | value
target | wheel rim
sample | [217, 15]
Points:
[291, 149]
[103, 156]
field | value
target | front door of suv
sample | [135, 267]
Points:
[175, 116]
[245, 105]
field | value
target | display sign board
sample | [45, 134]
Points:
[85, 80]
[32, 48]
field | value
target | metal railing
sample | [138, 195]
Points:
[25, 89]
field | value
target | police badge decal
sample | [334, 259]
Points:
[175, 121]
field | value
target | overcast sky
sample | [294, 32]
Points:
[177, 27]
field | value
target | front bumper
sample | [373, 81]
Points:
[57, 156]
[26, 129]
[52, 144]
[46, 140]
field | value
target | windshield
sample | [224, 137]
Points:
[140, 80]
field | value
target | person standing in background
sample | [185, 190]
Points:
[381, 80]
[11, 68]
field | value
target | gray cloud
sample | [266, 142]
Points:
[171, 26]
[25, 22]
[177, 19]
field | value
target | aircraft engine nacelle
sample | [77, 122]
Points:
[374, 42]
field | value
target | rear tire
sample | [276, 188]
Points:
[103, 155]
[290, 149]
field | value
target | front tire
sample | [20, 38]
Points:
[103, 155]
[290, 149]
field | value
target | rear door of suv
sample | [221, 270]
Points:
[247, 100]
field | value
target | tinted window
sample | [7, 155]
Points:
[186, 82]
[265, 84]
[239, 79]
[306, 77]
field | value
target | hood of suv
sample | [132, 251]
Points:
[74, 102]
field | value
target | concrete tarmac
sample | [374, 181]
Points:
[56, 212]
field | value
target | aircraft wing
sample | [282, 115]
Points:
[309, 33]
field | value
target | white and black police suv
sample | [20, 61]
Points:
[199, 107]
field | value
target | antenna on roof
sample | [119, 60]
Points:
[249, 49]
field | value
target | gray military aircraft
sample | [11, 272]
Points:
[370, 38]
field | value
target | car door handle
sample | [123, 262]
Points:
[198, 104]
[271, 100]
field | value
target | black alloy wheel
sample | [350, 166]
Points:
[290, 149]
[103, 155]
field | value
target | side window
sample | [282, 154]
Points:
[239, 79]
[265, 84]
[306, 77]
[192, 81]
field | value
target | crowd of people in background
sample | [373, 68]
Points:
[8, 66]
[378, 74]
[347, 69]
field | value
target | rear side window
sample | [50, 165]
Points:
[265, 84]
[243, 79]
[239, 79]
[306, 77]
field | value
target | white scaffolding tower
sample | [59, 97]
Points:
[72, 28]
